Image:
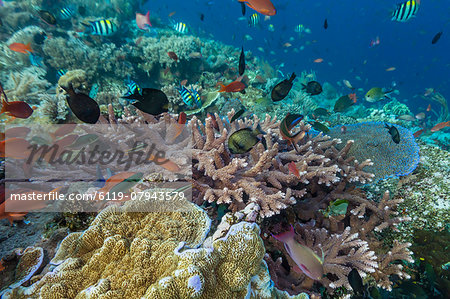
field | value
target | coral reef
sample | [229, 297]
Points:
[373, 141]
[396, 108]
[153, 255]
[29, 262]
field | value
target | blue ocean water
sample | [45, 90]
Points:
[344, 46]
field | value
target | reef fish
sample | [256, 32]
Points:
[343, 103]
[394, 133]
[356, 281]
[173, 55]
[254, 20]
[313, 88]
[293, 169]
[103, 27]
[264, 7]
[15, 148]
[405, 10]
[180, 27]
[325, 24]
[143, 21]
[440, 126]
[234, 86]
[84, 107]
[287, 124]
[21, 48]
[152, 101]
[18, 109]
[436, 37]
[320, 127]
[305, 258]
[242, 62]
[243, 140]
[190, 96]
[377, 94]
[237, 115]
[281, 90]
[321, 112]
[66, 13]
[47, 17]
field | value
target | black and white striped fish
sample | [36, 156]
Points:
[180, 27]
[405, 10]
[254, 20]
[103, 27]
[66, 13]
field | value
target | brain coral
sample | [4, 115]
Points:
[152, 255]
[373, 141]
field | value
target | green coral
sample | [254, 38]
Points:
[396, 108]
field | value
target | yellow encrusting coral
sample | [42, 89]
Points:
[127, 254]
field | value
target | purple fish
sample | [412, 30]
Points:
[308, 261]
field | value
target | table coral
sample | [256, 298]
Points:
[373, 141]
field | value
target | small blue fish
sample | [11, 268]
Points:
[94, 91]
[36, 60]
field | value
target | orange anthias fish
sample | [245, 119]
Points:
[293, 168]
[234, 86]
[18, 109]
[143, 21]
[440, 126]
[21, 48]
[166, 163]
[418, 133]
[173, 55]
[262, 6]
[390, 69]
[429, 108]
[318, 60]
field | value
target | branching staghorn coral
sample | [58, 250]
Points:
[262, 178]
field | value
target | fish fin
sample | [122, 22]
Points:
[303, 86]
[285, 236]
[292, 77]
[258, 130]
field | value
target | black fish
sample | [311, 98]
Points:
[243, 8]
[152, 101]
[325, 24]
[39, 38]
[321, 111]
[47, 17]
[202, 17]
[237, 115]
[313, 88]
[394, 133]
[242, 62]
[356, 282]
[243, 140]
[320, 127]
[84, 108]
[436, 37]
[343, 103]
[281, 90]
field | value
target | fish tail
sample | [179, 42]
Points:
[258, 130]
[147, 16]
[222, 87]
[28, 47]
[285, 236]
